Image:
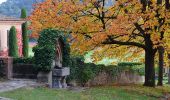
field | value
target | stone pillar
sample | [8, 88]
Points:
[7, 66]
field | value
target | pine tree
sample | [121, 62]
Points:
[13, 47]
[24, 34]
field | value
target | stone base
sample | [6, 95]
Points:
[45, 77]
[59, 82]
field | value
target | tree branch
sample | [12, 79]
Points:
[124, 43]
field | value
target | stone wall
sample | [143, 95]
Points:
[6, 64]
[123, 78]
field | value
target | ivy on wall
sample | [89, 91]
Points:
[44, 52]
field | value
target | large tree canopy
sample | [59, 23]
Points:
[94, 24]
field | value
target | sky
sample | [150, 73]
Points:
[2, 1]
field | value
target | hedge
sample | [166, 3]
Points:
[82, 72]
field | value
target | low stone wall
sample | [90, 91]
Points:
[123, 78]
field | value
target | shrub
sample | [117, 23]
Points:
[44, 52]
[13, 47]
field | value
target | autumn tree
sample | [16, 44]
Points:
[95, 25]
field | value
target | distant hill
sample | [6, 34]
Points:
[13, 7]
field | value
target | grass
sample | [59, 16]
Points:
[134, 92]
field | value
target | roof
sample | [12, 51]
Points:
[9, 18]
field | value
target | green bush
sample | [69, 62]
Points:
[44, 52]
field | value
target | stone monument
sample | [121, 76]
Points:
[59, 72]
[56, 78]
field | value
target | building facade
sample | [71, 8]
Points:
[5, 24]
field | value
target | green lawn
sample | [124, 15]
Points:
[136, 92]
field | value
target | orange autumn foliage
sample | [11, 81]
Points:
[95, 25]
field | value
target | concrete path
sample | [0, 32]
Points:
[15, 84]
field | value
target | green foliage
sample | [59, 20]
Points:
[82, 72]
[133, 67]
[44, 52]
[23, 60]
[85, 74]
[25, 39]
[13, 46]
[23, 13]
[43, 57]
[128, 64]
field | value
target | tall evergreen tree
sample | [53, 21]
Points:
[24, 34]
[13, 46]
[23, 13]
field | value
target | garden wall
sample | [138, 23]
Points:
[24, 68]
[123, 78]
[24, 71]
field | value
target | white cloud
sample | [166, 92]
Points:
[2, 1]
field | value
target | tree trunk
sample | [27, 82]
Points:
[161, 63]
[149, 62]
[169, 70]
[149, 68]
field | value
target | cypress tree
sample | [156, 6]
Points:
[25, 39]
[13, 46]
[23, 13]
